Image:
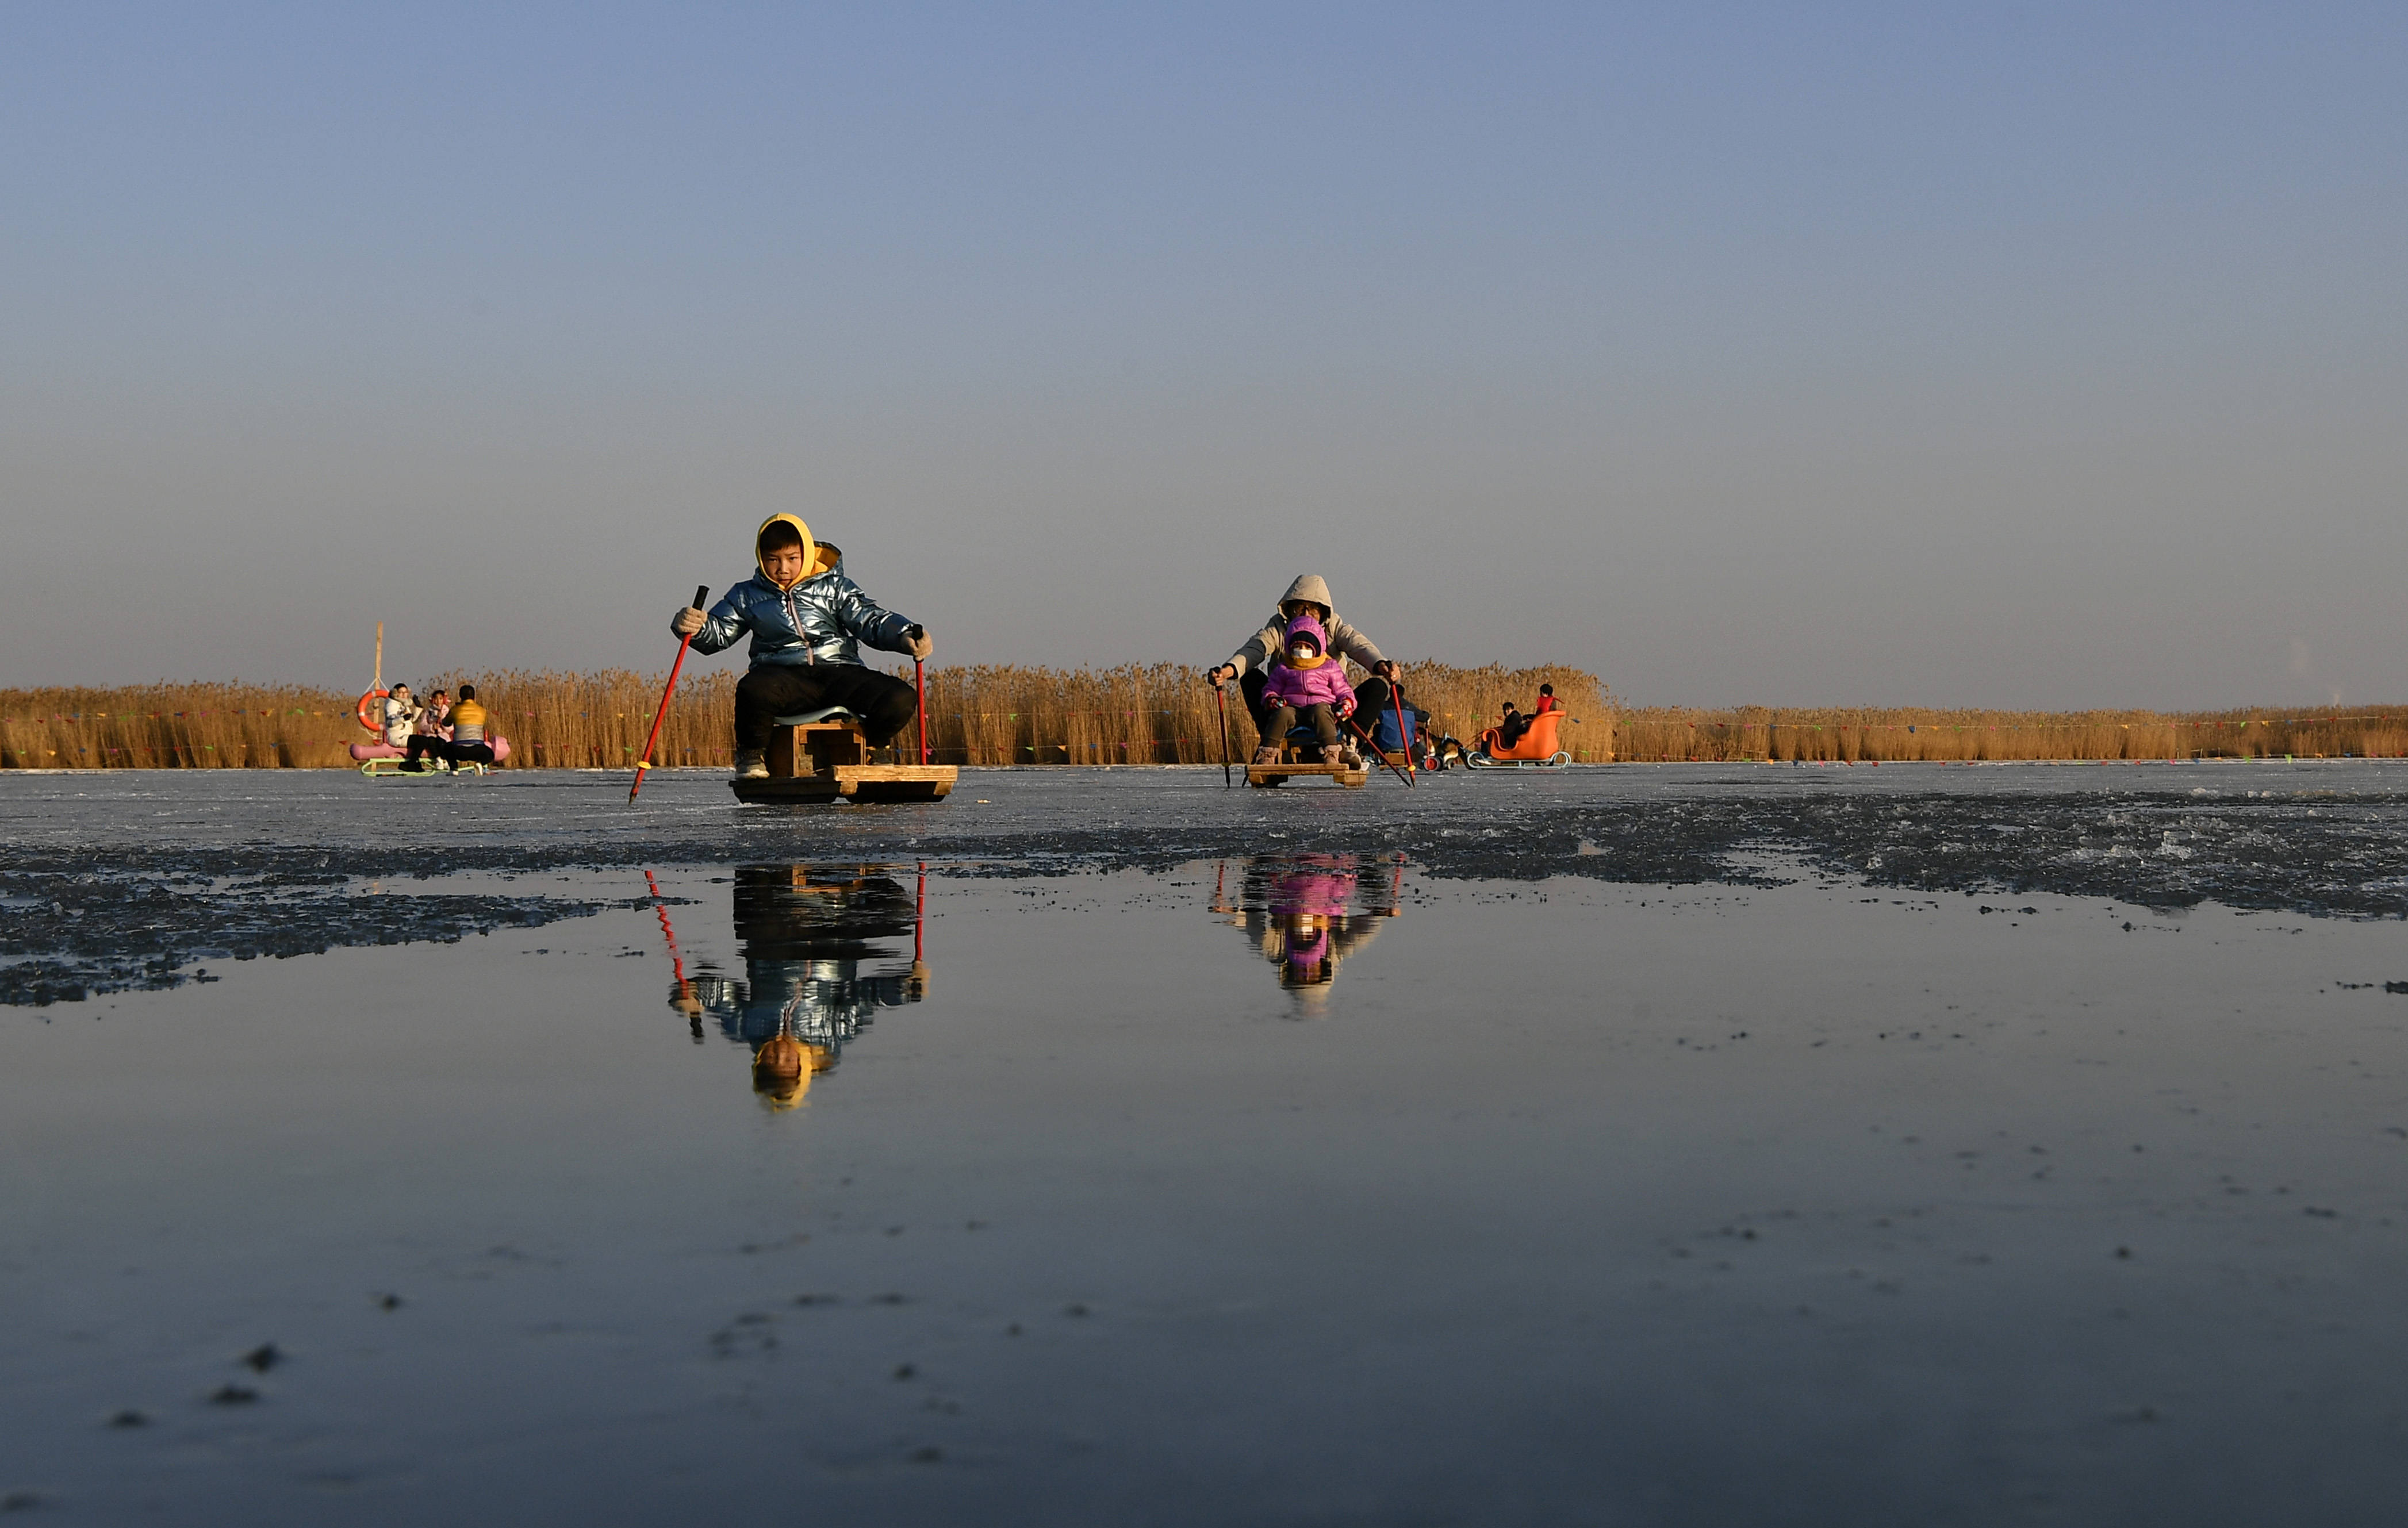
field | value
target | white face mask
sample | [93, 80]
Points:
[1300, 651]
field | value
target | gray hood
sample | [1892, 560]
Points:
[1309, 586]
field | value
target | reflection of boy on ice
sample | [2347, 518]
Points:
[805, 617]
[816, 971]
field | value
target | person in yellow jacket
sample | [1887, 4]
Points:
[466, 744]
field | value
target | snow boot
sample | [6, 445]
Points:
[751, 764]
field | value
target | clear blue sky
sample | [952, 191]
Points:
[2045, 355]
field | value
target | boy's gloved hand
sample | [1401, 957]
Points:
[686, 621]
[922, 644]
[1223, 675]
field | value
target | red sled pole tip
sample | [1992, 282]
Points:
[644, 760]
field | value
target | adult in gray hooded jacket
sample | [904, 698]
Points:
[1311, 592]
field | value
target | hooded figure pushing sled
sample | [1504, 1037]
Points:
[808, 712]
[1290, 672]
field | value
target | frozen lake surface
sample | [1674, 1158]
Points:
[1691, 1144]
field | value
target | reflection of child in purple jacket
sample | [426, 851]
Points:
[1306, 902]
[1306, 679]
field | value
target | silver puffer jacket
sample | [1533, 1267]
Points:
[815, 621]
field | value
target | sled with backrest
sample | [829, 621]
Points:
[1537, 748]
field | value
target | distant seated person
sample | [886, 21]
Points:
[398, 716]
[805, 617]
[466, 744]
[1547, 701]
[1509, 731]
[435, 719]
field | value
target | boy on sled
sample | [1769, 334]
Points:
[805, 617]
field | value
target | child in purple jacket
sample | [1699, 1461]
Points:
[1306, 679]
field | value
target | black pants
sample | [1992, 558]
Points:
[1321, 718]
[883, 701]
[424, 743]
[1372, 697]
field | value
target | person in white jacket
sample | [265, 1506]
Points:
[401, 713]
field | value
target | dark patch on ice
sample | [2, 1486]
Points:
[75, 927]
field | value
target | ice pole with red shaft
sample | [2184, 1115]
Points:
[920, 683]
[644, 761]
[1373, 744]
[1221, 693]
[1404, 733]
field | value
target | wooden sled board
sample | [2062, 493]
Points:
[1279, 774]
[390, 769]
[853, 782]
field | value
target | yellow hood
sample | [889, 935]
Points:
[816, 558]
[778, 1056]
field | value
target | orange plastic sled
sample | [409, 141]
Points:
[1537, 749]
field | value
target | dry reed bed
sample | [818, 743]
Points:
[1137, 713]
[1671, 732]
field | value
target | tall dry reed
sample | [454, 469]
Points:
[206, 726]
[1657, 733]
[598, 720]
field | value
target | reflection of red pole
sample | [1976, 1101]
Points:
[661, 910]
[676, 961]
[920, 912]
[645, 761]
[920, 682]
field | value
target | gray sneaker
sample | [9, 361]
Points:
[751, 764]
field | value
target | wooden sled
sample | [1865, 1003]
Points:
[821, 756]
[1291, 767]
[382, 761]
[390, 769]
